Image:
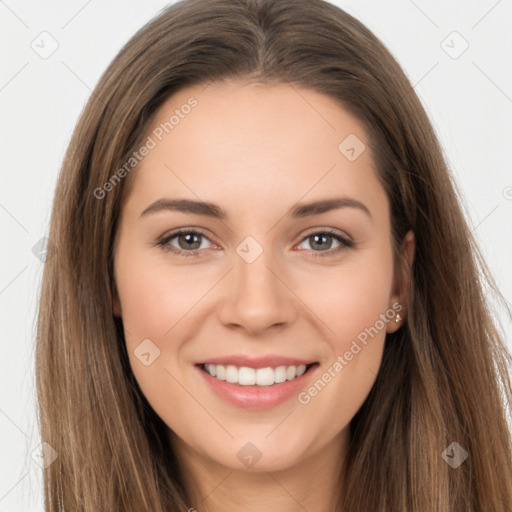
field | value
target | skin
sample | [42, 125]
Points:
[256, 150]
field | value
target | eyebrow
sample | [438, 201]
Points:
[215, 211]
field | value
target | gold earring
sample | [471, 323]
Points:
[398, 318]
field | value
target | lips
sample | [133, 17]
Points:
[256, 382]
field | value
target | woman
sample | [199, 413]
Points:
[264, 292]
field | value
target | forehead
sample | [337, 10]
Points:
[255, 143]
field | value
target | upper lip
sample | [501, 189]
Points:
[256, 362]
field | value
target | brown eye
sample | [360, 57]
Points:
[189, 242]
[322, 242]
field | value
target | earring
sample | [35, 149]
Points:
[398, 318]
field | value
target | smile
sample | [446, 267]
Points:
[247, 376]
[256, 383]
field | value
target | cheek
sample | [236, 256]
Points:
[351, 299]
[152, 304]
[154, 296]
[352, 304]
[156, 300]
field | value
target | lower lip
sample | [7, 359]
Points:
[256, 397]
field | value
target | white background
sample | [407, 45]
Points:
[469, 100]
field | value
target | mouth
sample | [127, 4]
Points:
[261, 377]
[256, 383]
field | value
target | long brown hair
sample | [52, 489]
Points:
[445, 374]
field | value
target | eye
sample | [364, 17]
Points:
[189, 241]
[322, 240]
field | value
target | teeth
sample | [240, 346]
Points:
[220, 372]
[250, 376]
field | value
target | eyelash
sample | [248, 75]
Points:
[164, 243]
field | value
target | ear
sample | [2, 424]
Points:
[401, 283]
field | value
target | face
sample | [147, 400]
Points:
[255, 325]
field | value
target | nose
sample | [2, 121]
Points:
[257, 296]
